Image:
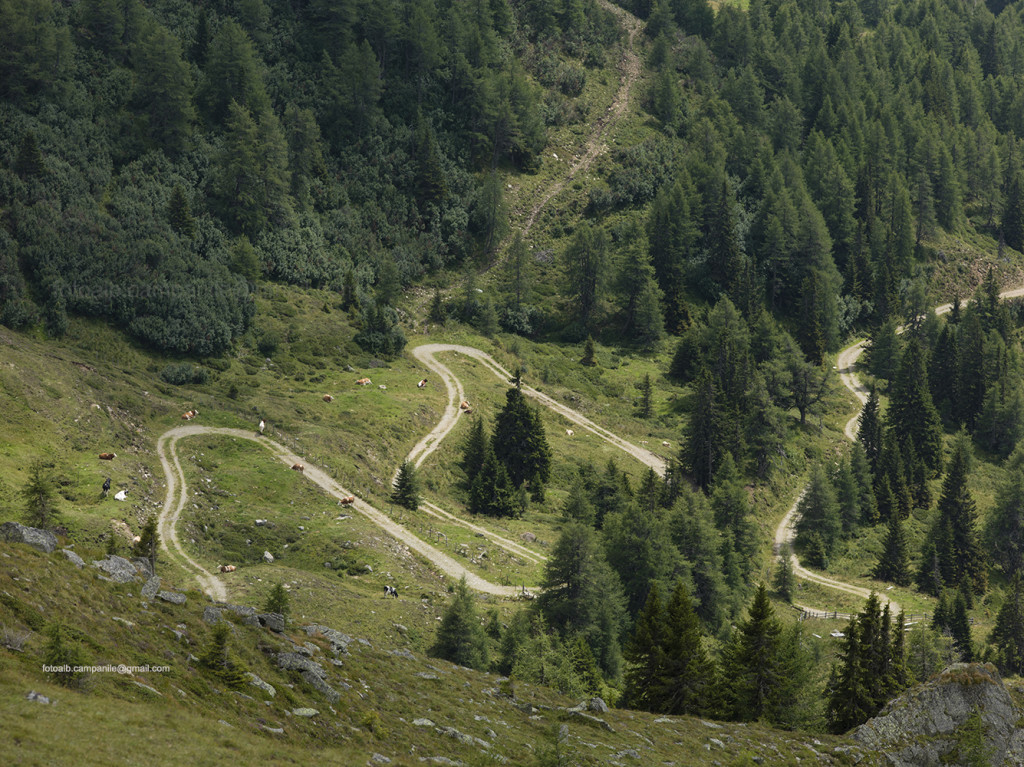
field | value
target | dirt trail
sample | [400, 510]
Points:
[211, 584]
[786, 531]
[426, 354]
[629, 67]
[177, 490]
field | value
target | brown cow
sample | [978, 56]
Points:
[227, 568]
[298, 467]
[347, 500]
[328, 398]
[108, 456]
[363, 382]
[464, 405]
[188, 415]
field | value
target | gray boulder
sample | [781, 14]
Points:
[151, 587]
[144, 566]
[295, 662]
[44, 540]
[73, 558]
[255, 681]
[922, 726]
[212, 614]
[317, 682]
[598, 706]
[268, 557]
[306, 712]
[173, 598]
[242, 610]
[118, 568]
[272, 621]
[339, 642]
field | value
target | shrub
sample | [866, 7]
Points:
[182, 373]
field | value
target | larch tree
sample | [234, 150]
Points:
[586, 273]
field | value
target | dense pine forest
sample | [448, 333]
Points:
[802, 174]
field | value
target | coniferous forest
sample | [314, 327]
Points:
[806, 174]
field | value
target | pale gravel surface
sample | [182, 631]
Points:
[786, 531]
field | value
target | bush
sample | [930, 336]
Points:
[182, 373]
[63, 652]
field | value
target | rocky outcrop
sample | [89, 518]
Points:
[927, 722]
[44, 540]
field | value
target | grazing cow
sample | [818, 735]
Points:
[390, 591]
[108, 456]
[464, 405]
[106, 486]
[298, 467]
[363, 382]
[468, 410]
[664, 443]
[227, 568]
[262, 426]
[120, 495]
[569, 432]
[347, 500]
[421, 384]
[188, 415]
[328, 398]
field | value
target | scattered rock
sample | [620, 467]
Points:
[339, 642]
[212, 614]
[273, 621]
[147, 688]
[143, 566]
[403, 653]
[151, 587]
[33, 695]
[123, 622]
[316, 681]
[255, 681]
[118, 568]
[442, 760]
[400, 628]
[422, 722]
[170, 596]
[296, 662]
[632, 753]
[275, 730]
[243, 610]
[44, 540]
[426, 675]
[380, 759]
[451, 732]
[598, 705]
[268, 557]
[716, 742]
[712, 725]
[306, 712]
[73, 558]
[261, 522]
[590, 719]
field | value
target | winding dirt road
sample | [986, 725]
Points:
[177, 490]
[786, 531]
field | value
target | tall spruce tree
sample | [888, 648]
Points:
[644, 654]
[1008, 634]
[519, 442]
[1004, 532]
[869, 429]
[460, 637]
[753, 668]
[911, 412]
[687, 676]
[818, 514]
[954, 534]
[893, 563]
[406, 492]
